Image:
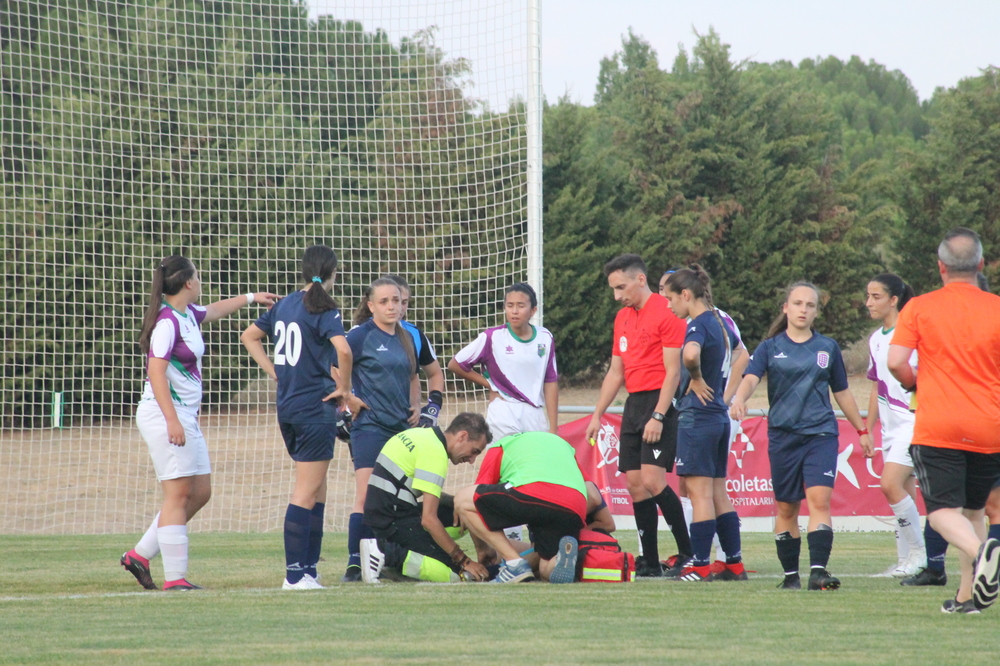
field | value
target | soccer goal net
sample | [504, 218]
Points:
[237, 133]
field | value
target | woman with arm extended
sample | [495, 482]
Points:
[167, 415]
[802, 368]
[307, 332]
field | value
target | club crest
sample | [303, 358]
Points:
[822, 359]
[541, 351]
[623, 344]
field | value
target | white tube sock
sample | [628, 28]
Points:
[908, 519]
[688, 510]
[149, 545]
[174, 548]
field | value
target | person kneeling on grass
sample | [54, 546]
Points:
[413, 464]
[531, 479]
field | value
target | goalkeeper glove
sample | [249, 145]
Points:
[429, 414]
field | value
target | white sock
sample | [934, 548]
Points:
[908, 519]
[514, 563]
[149, 545]
[719, 553]
[688, 510]
[174, 548]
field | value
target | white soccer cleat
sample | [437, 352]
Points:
[307, 583]
[913, 563]
[372, 561]
[891, 571]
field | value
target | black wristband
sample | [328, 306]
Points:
[436, 397]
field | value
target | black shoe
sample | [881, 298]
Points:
[645, 569]
[791, 582]
[820, 579]
[926, 576]
[682, 562]
[352, 575]
[139, 570]
[732, 572]
[963, 607]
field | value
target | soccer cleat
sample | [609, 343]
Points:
[181, 585]
[564, 570]
[891, 571]
[306, 583]
[914, 562]
[820, 579]
[718, 566]
[352, 575]
[926, 576]
[514, 574]
[986, 576]
[644, 569]
[692, 574]
[963, 607]
[791, 582]
[682, 563]
[141, 571]
[372, 561]
[731, 572]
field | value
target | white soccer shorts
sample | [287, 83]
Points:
[169, 460]
[509, 417]
[896, 449]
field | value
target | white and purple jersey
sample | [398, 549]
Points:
[893, 401]
[177, 339]
[516, 369]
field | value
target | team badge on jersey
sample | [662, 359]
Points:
[541, 351]
[623, 344]
[822, 359]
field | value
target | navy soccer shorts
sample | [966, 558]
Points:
[801, 461]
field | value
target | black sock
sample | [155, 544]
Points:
[673, 513]
[820, 545]
[788, 552]
[645, 523]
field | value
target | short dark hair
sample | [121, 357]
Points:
[472, 423]
[628, 263]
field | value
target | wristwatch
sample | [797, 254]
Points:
[658, 417]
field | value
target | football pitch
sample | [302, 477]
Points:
[64, 599]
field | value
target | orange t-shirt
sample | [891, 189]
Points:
[640, 336]
[956, 332]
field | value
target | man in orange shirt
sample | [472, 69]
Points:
[646, 356]
[956, 440]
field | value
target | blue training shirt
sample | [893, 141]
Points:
[716, 361]
[800, 377]
[381, 377]
[303, 355]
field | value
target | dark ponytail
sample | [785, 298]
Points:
[318, 261]
[695, 279]
[894, 286]
[168, 280]
[364, 313]
[780, 323]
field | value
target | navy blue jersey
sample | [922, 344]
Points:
[422, 346]
[303, 355]
[381, 377]
[716, 361]
[800, 377]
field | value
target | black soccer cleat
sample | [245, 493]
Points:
[791, 582]
[644, 569]
[820, 579]
[959, 607]
[986, 575]
[352, 575]
[926, 576]
[139, 570]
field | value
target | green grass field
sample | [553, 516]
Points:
[66, 600]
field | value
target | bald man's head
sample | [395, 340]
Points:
[961, 252]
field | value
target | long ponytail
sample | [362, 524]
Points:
[318, 264]
[168, 279]
[364, 313]
[894, 286]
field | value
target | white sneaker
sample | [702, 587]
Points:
[307, 583]
[915, 561]
[372, 561]
[891, 571]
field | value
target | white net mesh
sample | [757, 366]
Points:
[236, 133]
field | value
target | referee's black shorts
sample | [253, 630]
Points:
[633, 452]
[954, 479]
